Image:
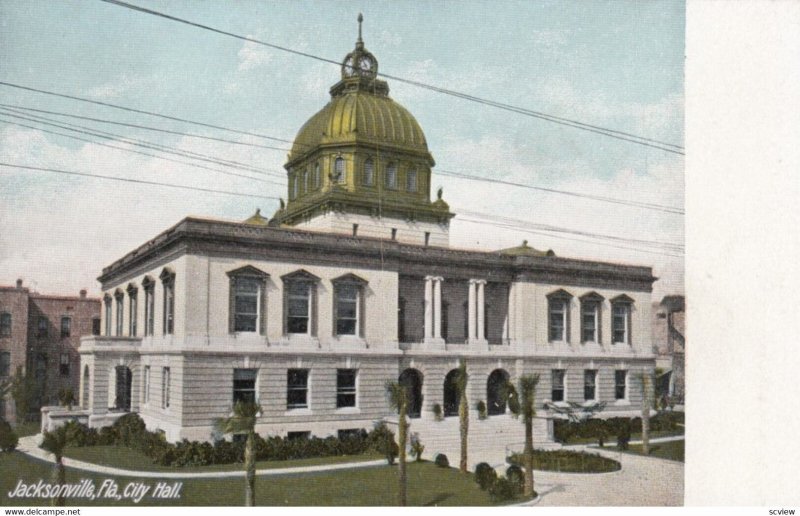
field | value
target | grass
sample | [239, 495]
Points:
[567, 461]
[128, 458]
[428, 485]
[672, 450]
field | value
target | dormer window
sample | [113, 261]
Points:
[339, 173]
[369, 172]
[391, 176]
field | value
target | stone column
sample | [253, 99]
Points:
[437, 308]
[471, 316]
[428, 307]
[481, 309]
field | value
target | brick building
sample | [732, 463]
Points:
[41, 333]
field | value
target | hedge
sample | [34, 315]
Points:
[619, 428]
[567, 462]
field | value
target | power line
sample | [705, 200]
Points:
[139, 152]
[141, 111]
[137, 181]
[612, 200]
[145, 127]
[137, 142]
[620, 135]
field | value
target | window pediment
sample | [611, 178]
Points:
[559, 294]
[300, 275]
[623, 298]
[248, 270]
[350, 278]
[592, 296]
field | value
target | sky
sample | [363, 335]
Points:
[618, 65]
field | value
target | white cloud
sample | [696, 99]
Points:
[121, 85]
[252, 56]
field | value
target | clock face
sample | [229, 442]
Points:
[349, 67]
[365, 64]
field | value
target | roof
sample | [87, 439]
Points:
[525, 250]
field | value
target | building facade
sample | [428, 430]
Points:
[669, 330]
[41, 334]
[351, 284]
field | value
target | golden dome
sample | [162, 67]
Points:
[361, 117]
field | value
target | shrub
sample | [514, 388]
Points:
[502, 489]
[437, 411]
[568, 461]
[129, 430]
[80, 435]
[485, 475]
[382, 441]
[66, 397]
[515, 474]
[416, 447]
[8, 437]
[441, 460]
[481, 406]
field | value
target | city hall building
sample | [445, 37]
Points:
[351, 284]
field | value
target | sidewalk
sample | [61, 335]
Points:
[30, 446]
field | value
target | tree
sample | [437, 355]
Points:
[398, 400]
[463, 411]
[243, 420]
[647, 403]
[24, 390]
[521, 402]
[55, 442]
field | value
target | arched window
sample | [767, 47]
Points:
[316, 175]
[391, 176]
[349, 305]
[495, 403]
[621, 309]
[411, 180]
[369, 172]
[451, 396]
[558, 315]
[411, 379]
[339, 174]
[247, 300]
[306, 179]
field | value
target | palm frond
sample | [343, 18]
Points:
[243, 418]
[397, 395]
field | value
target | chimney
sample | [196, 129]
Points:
[83, 293]
[19, 283]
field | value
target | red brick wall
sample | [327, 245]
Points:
[15, 302]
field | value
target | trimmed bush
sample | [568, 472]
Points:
[481, 406]
[485, 475]
[437, 412]
[502, 489]
[8, 437]
[381, 440]
[441, 460]
[515, 474]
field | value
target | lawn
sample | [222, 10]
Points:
[128, 458]
[428, 485]
[672, 450]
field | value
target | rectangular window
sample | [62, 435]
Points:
[120, 314]
[41, 329]
[346, 387]
[66, 327]
[558, 384]
[5, 364]
[589, 384]
[96, 326]
[411, 181]
[246, 303]
[5, 324]
[557, 309]
[620, 384]
[297, 388]
[149, 309]
[63, 366]
[347, 304]
[244, 385]
[620, 323]
[589, 317]
[132, 312]
[349, 433]
[165, 386]
[299, 307]
[169, 306]
[298, 436]
[146, 384]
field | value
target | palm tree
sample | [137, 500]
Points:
[522, 403]
[55, 442]
[244, 420]
[398, 400]
[646, 405]
[463, 411]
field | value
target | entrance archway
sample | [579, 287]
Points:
[495, 402]
[411, 379]
[122, 400]
[451, 397]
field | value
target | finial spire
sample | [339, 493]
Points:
[360, 19]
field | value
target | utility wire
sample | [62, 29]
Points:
[139, 152]
[620, 135]
[137, 181]
[145, 127]
[137, 142]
